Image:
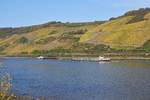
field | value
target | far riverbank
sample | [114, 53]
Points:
[81, 57]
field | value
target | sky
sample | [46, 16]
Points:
[15, 13]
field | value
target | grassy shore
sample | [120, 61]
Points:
[69, 56]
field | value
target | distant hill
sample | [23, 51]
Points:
[54, 36]
[128, 31]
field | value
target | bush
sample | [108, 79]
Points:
[54, 52]
[5, 84]
[23, 40]
[145, 47]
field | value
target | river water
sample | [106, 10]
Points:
[71, 80]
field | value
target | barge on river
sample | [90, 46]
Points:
[97, 59]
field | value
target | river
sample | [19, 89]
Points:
[72, 80]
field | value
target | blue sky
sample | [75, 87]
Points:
[14, 13]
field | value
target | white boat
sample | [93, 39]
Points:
[100, 58]
[40, 57]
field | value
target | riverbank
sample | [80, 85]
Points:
[112, 57]
[13, 97]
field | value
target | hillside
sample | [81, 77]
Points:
[53, 36]
[129, 31]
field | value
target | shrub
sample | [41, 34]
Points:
[5, 85]
[23, 40]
